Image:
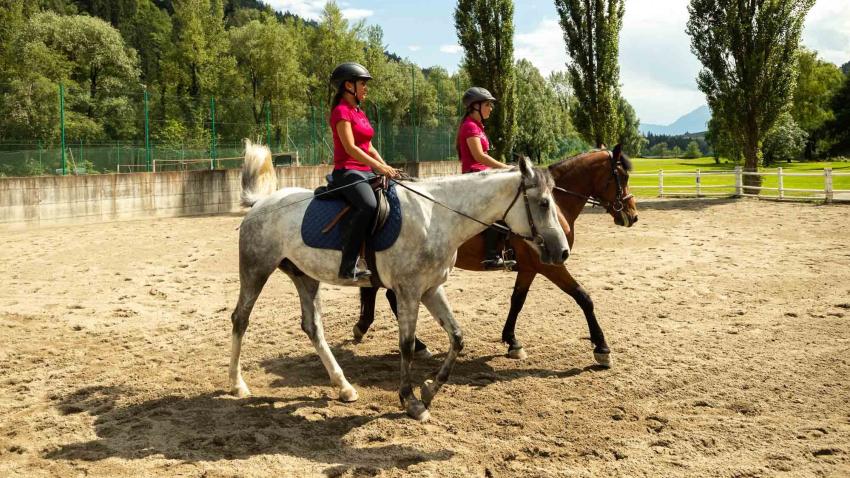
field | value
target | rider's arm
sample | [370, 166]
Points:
[346, 137]
[474, 143]
[375, 154]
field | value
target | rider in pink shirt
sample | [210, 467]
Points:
[354, 160]
[472, 147]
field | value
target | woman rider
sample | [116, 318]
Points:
[472, 147]
[354, 160]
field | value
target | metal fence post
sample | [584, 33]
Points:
[827, 184]
[212, 137]
[661, 183]
[698, 183]
[148, 165]
[62, 123]
[781, 183]
[739, 181]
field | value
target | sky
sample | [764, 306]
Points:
[657, 69]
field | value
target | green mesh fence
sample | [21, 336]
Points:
[193, 135]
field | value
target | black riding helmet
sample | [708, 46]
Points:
[349, 71]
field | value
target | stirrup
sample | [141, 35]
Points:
[356, 274]
[498, 263]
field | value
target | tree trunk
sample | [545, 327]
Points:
[751, 165]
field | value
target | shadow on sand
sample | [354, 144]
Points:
[213, 426]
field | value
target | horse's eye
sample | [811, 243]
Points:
[544, 203]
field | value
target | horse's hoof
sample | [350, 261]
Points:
[604, 360]
[358, 334]
[418, 411]
[348, 394]
[423, 354]
[518, 354]
[428, 390]
[240, 391]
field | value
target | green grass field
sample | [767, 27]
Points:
[709, 181]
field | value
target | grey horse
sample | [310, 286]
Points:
[438, 216]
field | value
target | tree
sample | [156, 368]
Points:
[722, 141]
[693, 150]
[660, 150]
[485, 30]
[748, 53]
[785, 140]
[591, 32]
[817, 82]
[537, 120]
[629, 131]
[837, 127]
[676, 152]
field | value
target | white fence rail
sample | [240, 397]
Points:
[735, 186]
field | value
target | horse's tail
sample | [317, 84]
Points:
[258, 176]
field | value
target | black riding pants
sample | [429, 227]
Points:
[358, 223]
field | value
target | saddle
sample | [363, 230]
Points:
[379, 184]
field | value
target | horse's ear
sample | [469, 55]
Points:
[618, 150]
[526, 168]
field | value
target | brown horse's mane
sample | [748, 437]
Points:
[566, 165]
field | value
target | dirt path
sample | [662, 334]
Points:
[729, 324]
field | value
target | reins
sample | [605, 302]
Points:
[619, 199]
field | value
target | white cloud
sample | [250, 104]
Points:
[414, 47]
[827, 30]
[356, 13]
[452, 49]
[544, 47]
[310, 9]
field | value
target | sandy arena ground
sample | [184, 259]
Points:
[729, 324]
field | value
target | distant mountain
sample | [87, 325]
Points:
[694, 122]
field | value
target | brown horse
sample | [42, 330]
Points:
[597, 177]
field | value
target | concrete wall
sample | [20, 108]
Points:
[45, 200]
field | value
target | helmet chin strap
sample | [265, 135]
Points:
[353, 93]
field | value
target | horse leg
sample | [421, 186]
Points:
[367, 312]
[408, 312]
[250, 285]
[311, 324]
[438, 305]
[420, 350]
[521, 286]
[601, 352]
[561, 277]
[367, 316]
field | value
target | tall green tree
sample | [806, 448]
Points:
[748, 50]
[785, 140]
[538, 128]
[333, 42]
[485, 30]
[628, 133]
[592, 35]
[837, 127]
[817, 82]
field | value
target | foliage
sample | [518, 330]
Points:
[785, 140]
[628, 133]
[838, 127]
[817, 82]
[693, 150]
[538, 128]
[748, 51]
[485, 31]
[591, 31]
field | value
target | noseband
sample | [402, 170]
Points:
[619, 200]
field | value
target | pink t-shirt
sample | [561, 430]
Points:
[469, 129]
[362, 130]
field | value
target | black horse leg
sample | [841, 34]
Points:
[419, 348]
[368, 296]
[367, 312]
[521, 286]
[601, 352]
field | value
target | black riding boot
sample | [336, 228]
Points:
[492, 259]
[350, 252]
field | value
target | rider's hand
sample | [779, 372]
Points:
[389, 171]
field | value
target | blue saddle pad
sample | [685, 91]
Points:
[322, 211]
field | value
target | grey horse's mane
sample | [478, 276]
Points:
[542, 177]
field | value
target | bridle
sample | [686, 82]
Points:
[535, 236]
[619, 199]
